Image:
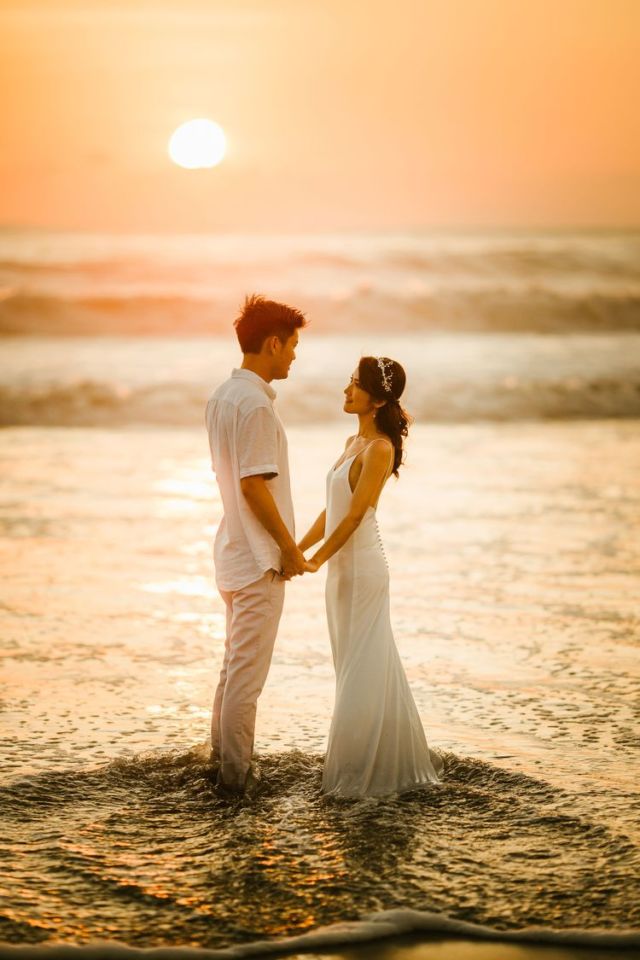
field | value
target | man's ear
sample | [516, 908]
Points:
[267, 346]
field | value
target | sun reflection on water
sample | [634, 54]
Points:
[194, 586]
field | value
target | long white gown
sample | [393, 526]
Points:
[377, 745]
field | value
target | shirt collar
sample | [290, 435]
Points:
[254, 378]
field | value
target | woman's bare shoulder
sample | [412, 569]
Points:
[380, 445]
[378, 451]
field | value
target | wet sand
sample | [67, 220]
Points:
[412, 949]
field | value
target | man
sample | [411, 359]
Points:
[255, 551]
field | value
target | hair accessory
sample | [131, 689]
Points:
[386, 377]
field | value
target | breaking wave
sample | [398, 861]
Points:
[357, 308]
[383, 925]
[101, 403]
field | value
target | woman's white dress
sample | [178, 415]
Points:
[376, 743]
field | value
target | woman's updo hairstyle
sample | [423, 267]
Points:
[384, 379]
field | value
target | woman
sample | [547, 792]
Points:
[376, 744]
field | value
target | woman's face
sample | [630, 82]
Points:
[357, 400]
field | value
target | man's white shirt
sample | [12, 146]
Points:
[246, 438]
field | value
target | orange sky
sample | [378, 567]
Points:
[340, 114]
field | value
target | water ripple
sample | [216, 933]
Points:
[146, 850]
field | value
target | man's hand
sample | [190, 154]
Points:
[293, 563]
[261, 502]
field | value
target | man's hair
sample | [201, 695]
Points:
[262, 318]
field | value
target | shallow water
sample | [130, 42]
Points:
[146, 851]
[515, 571]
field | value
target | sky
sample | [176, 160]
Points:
[339, 114]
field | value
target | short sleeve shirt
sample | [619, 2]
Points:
[246, 438]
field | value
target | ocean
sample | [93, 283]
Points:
[500, 327]
[512, 540]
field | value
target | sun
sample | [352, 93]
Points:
[197, 144]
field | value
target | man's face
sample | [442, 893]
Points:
[284, 355]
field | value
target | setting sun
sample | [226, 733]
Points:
[197, 144]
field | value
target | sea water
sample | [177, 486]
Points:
[515, 572]
[512, 539]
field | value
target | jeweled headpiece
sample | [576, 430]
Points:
[385, 365]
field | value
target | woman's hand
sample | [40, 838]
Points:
[311, 566]
[376, 464]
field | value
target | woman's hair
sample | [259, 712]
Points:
[384, 379]
[260, 318]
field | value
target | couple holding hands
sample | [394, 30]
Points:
[377, 745]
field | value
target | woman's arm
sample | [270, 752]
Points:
[375, 470]
[314, 533]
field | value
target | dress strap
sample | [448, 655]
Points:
[354, 455]
[365, 448]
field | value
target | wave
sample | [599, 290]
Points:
[615, 252]
[381, 925]
[359, 307]
[525, 260]
[99, 403]
[22, 314]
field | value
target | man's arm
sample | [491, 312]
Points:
[262, 504]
